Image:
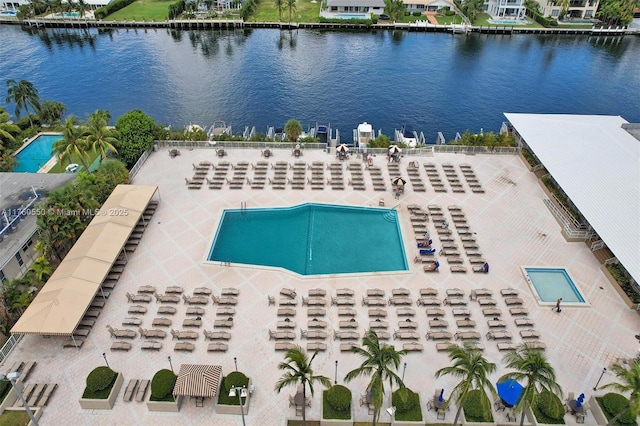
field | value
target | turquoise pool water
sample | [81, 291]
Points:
[36, 154]
[506, 22]
[552, 284]
[352, 16]
[312, 239]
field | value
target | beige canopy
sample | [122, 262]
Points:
[198, 381]
[66, 296]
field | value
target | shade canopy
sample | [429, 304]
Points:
[198, 381]
[398, 181]
[60, 305]
[509, 391]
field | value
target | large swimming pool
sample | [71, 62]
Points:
[312, 239]
[550, 284]
[36, 154]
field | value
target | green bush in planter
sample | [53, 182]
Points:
[407, 405]
[614, 403]
[100, 378]
[339, 398]
[233, 379]
[476, 410]
[549, 409]
[4, 388]
[162, 385]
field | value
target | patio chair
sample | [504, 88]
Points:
[44, 400]
[128, 392]
[142, 390]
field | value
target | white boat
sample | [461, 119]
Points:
[363, 135]
[407, 136]
[218, 128]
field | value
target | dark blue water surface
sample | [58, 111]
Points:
[436, 82]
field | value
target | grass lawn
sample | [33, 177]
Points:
[59, 168]
[483, 20]
[142, 10]
[576, 26]
[448, 20]
[305, 12]
[14, 418]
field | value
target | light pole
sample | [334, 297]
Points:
[241, 391]
[604, 370]
[392, 412]
[403, 371]
[170, 365]
[335, 380]
[12, 377]
[104, 355]
[235, 361]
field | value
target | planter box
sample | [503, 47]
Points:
[598, 414]
[37, 412]
[104, 404]
[463, 420]
[164, 406]
[617, 288]
[235, 409]
[524, 161]
[335, 422]
[11, 397]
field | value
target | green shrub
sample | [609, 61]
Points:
[234, 379]
[407, 405]
[5, 386]
[417, 13]
[100, 378]
[339, 398]
[549, 408]
[530, 157]
[623, 279]
[104, 11]
[545, 22]
[477, 410]
[175, 9]
[162, 385]
[613, 404]
[328, 412]
[449, 13]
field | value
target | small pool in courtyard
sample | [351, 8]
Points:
[35, 154]
[550, 284]
[352, 16]
[312, 239]
[506, 22]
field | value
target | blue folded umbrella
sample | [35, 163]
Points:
[441, 398]
[509, 391]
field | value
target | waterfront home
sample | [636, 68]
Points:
[514, 9]
[15, 4]
[578, 9]
[353, 9]
[428, 5]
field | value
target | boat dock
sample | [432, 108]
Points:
[207, 24]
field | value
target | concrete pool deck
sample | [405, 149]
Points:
[512, 226]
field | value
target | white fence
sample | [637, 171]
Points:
[9, 345]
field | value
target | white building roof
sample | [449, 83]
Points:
[597, 164]
[370, 3]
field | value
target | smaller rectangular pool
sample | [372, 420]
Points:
[352, 16]
[550, 284]
[36, 154]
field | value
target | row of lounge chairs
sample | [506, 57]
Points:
[37, 395]
[413, 171]
[470, 176]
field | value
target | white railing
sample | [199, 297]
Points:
[576, 223]
[569, 230]
[597, 245]
[9, 345]
[136, 167]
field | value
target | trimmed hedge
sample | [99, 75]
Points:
[366, 22]
[624, 281]
[339, 398]
[5, 387]
[474, 410]
[548, 409]
[328, 412]
[407, 405]
[235, 378]
[114, 6]
[613, 404]
[100, 378]
[99, 383]
[545, 22]
[162, 385]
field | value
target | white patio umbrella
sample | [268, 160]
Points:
[394, 149]
[342, 148]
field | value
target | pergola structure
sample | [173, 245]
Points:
[63, 300]
[198, 381]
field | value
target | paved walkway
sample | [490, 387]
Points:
[513, 229]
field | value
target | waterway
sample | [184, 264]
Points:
[436, 82]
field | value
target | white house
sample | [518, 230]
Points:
[427, 5]
[578, 9]
[349, 9]
[514, 9]
[15, 4]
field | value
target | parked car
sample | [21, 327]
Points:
[384, 17]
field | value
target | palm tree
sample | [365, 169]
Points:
[291, 4]
[82, 7]
[531, 366]
[292, 129]
[24, 94]
[379, 363]
[8, 130]
[629, 381]
[280, 7]
[98, 137]
[297, 366]
[472, 368]
[72, 143]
